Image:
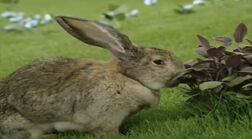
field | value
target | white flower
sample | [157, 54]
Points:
[188, 7]
[9, 28]
[8, 14]
[31, 24]
[199, 2]
[37, 16]
[47, 19]
[16, 19]
[150, 2]
[132, 13]
[111, 14]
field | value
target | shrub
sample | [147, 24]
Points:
[222, 77]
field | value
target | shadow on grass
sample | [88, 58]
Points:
[149, 118]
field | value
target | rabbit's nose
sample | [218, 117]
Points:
[177, 74]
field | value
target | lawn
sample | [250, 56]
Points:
[155, 26]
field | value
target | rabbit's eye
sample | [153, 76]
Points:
[159, 62]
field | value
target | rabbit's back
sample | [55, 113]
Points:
[46, 88]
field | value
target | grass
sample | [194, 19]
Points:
[157, 26]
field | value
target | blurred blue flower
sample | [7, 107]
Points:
[112, 13]
[24, 22]
[8, 14]
[16, 19]
[109, 15]
[132, 13]
[31, 24]
[188, 7]
[9, 28]
[37, 16]
[47, 19]
[150, 2]
[199, 2]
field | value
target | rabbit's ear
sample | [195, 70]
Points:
[96, 34]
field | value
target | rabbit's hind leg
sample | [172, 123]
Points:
[13, 126]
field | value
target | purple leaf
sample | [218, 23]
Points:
[249, 41]
[247, 49]
[202, 51]
[204, 42]
[227, 41]
[189, 64]
[233, 61]
[243, 50]
[199, 75]
[240, 32]
[203, 64]
[216, 52]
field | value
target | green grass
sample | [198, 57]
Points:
[157, 26]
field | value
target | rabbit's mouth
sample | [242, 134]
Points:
[172, 82]
[175, 80]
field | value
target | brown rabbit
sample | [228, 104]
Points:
[59, 94]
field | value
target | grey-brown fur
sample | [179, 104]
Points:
[59, 94]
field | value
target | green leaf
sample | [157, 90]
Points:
[230, 94]
[236, 95]
[241, 96]
[210, 85]
[228, 78]
[247, 87]
[248, 58]
[246, 70]
[238, 80]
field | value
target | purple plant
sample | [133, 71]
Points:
[222, 73]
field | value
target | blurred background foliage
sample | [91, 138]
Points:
[157, 26]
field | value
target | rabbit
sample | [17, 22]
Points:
[60, 94]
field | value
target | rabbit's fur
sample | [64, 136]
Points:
[59, 94]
